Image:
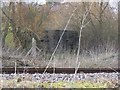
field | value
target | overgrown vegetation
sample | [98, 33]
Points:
[96, 42]
[31, 20]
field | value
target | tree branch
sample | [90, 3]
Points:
[6, 15]
[105, 7]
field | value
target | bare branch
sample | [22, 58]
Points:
[105, 7]
[59, 40]
[87, 23]
[95, 16]
[6, 15]
[80, 35]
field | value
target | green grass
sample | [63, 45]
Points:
[59, 84]
[78, 84]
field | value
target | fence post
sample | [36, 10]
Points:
[34, 52]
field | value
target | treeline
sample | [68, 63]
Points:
[22, 21]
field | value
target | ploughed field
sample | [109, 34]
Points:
[47, 80]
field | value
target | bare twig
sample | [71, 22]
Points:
[6, 15]
[59, 40]
[105, 7]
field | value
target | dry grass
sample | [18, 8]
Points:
[68, 60]
[93, 59]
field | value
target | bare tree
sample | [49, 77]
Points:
[83, 25]
[26, 20]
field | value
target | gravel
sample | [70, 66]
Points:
[47, 77]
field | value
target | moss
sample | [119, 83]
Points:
[9, 39]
